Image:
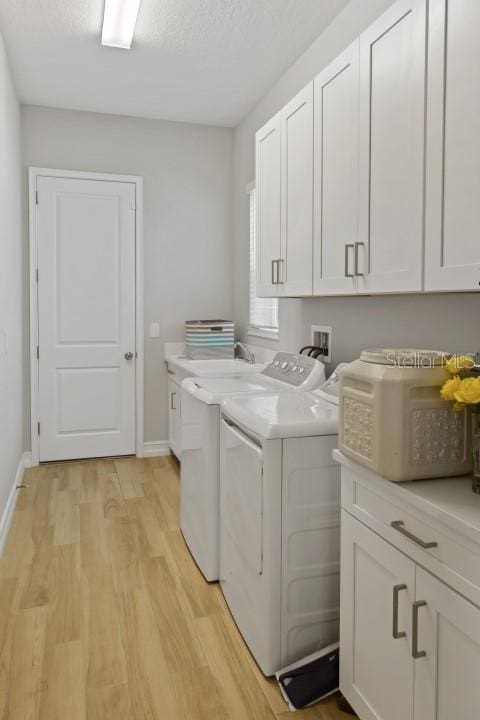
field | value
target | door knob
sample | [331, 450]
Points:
[128, 355]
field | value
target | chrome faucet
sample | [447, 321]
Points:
[247, 354]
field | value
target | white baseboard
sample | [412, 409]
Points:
[154, 448]
[6, 519]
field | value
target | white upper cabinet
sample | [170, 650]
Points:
[392, 100]
[284, 181]
[368, 181]
[335, 247]
[268, 204]
[295, 267]
[452, 240]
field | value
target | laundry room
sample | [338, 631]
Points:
[240, 359]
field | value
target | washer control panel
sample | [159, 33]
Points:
[295, 370]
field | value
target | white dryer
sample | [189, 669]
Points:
[200, 444]
[280, 522]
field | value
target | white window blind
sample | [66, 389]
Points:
[263, 311]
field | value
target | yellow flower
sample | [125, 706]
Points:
[459, 362]
[468, 391]
[450, 387]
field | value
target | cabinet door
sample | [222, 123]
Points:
[452, 246]
[268, 198]
[447, 677]
[173, 416]
[376, 670]
[392, 99]
[336, 174]
[295, 271]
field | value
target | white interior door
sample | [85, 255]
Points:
[86, 317]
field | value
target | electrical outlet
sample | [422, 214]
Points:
[321, 336]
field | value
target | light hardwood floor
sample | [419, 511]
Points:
[105, 616]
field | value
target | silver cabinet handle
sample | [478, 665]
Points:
[399, 526]
[279, 282]
[347, 259]
[172, 406]
[128, 355]
[416, 653]
[273, 272]
[395, 632]
[358, 245]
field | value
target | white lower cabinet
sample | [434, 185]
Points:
[447, 685]
[174, 417]
[409, 643]
[376, 666]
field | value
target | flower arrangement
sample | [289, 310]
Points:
[463, 389]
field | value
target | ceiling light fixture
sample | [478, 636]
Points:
[119, 20]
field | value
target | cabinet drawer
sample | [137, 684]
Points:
[453, 559]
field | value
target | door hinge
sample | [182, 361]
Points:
[38, 427]
[38, 352]
[36, 197]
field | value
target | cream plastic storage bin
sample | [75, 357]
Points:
[393, 420]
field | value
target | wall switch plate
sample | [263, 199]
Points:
[154, 330]
[321, 336]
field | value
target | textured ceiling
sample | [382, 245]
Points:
[206, 61]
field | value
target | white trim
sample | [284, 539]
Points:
[155, 448]
[33, 174]
[268, 333]
[139, 331]
[6, 519]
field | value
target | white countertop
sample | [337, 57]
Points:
[449, 500]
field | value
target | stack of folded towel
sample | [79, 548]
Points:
[207, 339]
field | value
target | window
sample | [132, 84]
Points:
[263, 311]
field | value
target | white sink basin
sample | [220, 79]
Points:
[182, 367]
[214, 367]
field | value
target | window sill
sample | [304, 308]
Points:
[268, 333]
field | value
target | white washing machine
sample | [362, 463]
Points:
[200, 444]
[280, 522]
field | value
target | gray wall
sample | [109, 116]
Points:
[188, 252]
[11, 284]
[439, 321]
